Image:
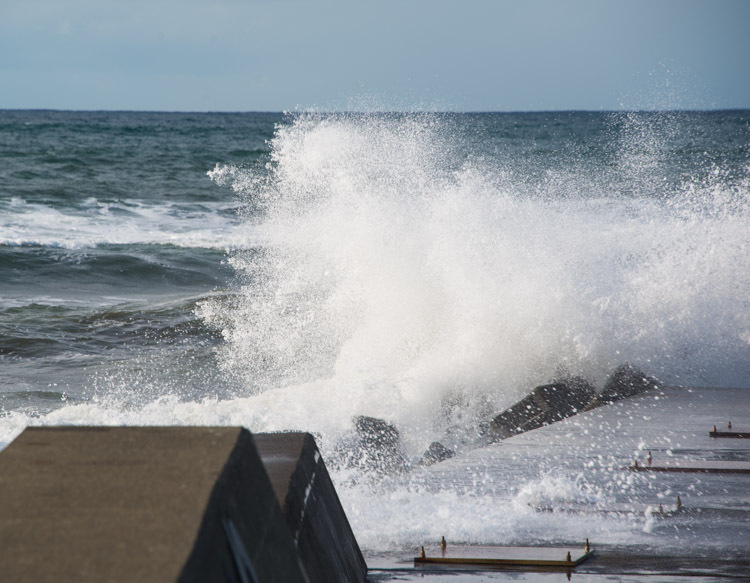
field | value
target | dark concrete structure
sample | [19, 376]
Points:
[379, 446]
[170, 503]
[627, 381]
[436, 452]
[561, 399]
[314, 515]
[544, 405]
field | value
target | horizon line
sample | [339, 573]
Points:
[377, 111]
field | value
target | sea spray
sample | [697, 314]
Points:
[404, 276]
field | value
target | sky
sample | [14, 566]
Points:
[464, 55]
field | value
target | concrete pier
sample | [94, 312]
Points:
[170, 503]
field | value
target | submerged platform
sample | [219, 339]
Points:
[482, 556]
[696, 466]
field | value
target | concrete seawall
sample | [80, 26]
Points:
[311, 506]
[170, 503]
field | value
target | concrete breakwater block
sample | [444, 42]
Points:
[544, 405]
[436, 452]
[627, 381]
[547, 404]
[379, 446]
[162, 504]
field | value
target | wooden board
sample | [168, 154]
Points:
[567, 557]
[713, 467]
[667, 509]
[735, 434]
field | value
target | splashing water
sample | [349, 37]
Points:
[431, 269]
[406, 275]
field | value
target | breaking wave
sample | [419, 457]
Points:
[409, 275]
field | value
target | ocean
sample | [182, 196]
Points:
[293, 271]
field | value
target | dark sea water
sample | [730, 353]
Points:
[110, 234]
[291, 271]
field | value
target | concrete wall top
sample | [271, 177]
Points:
[140, 504]
[68, 489]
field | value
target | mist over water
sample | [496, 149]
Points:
[406, 273]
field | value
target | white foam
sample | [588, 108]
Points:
[208, 225]
[388, 516]
[472, 498]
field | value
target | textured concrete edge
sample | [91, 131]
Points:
[318, 522]
[243, 535]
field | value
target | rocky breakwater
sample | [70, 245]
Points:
[377, 447]
[564, 398]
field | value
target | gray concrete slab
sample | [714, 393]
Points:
[171, 503]
[140, 504]
[590, 454]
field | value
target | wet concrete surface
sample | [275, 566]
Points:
[706, 539]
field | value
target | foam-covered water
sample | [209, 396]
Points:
[426, 269]
[89, 224]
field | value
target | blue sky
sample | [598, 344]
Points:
[234, 55]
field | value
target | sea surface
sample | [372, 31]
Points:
[292, 271]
